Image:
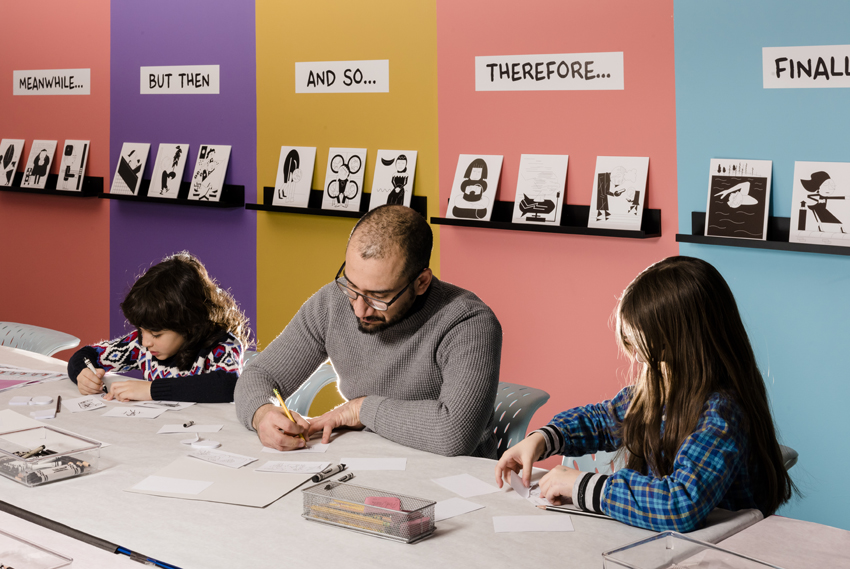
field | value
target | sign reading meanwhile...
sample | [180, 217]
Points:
[52, 82]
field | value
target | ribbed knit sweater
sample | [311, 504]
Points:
[429, 380]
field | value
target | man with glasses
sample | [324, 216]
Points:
[417, 358]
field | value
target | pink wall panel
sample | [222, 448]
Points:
[554, 294]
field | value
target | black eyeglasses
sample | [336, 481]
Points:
[381, 305]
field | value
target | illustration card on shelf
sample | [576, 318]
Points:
[820, 210]
[168, 170]
[393, 179]
[208, 178]
[474, 187]
[343, 187]
[294, 176]
[619, 192]
[540, 189]
[38, 163]
[72, 170]
[10, 151]
[131, 166]
[738, 194]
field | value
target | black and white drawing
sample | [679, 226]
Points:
[131, 167]
[619, 192]
[38, 163]
[208, 178]
[343, 187]
[820, 207]
[72, 169]
[738, 195]
[393, 179]
[294, 176]
[10, 157]
[474, 188]
[540, 189]
[168, 170]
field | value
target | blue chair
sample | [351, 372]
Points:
[35, 338]
[515, 405]
[602, 462]
[302, 399]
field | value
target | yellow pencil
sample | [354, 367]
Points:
[286, 410]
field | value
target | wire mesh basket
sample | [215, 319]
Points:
[367, 510]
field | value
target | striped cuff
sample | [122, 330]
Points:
[554, 440]
[587, 492]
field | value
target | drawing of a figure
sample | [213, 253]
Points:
[70, 164]
[170, 174]
[473, 187]
[612, 184]
[341, 188]
[10, 165]
[634, 203]
[821, 189]
[202, 187]
[40, 165]
[737, 195]
[396, 196]
[291, 176]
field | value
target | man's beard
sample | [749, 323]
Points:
[382, 324]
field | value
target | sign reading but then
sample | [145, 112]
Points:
[180, 80]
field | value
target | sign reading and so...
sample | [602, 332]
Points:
[558, 72]
[371, 76]
[52, 82]
[806, 67]
[180, 80]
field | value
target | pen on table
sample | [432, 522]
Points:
[58, 405]
[328, 472]
[93, 370]
[188, 424]
[286, 410]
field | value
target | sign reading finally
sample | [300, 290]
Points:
[806, 67]
[558, 72]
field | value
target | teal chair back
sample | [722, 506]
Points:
[301, 400]
[515, 405]
[35, 338]
[789, 456]
[602, 462]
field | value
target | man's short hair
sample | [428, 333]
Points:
[391, 229]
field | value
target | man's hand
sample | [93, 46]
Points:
[558, 484]
[345, 415]
[133, 390]
[276, 430]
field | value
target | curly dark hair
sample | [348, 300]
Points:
[179, 295]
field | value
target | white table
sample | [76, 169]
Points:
[193, 534]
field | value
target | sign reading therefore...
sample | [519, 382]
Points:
[806, 67]
[180, 80]
[371, 76]
[558, 72]
[52, 82]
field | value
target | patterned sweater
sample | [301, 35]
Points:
[211, 379]
[710, 469]
[429, 380]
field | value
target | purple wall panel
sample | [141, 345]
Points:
[189, 32]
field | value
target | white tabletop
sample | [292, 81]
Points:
[195, 534]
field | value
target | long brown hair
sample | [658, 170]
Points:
[179, 295]
[680, 318]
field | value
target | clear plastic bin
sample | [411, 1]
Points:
[21, 553]
[366, 510]
[671, 550]
[39, 455]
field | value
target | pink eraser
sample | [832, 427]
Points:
[384, 502]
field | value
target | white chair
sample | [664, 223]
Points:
[35, 338]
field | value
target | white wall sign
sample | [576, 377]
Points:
[52, 82]
[806, 67]
[180, 80]
[558, 72]
[371, 76]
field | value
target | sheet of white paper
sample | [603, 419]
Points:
[84, 403]
[20, 400]
[445, 509]
[43, 414]
[222, 458]
[172, 485]
[552, 522]
[193, 429]
[356, 464]
[516, 484]
[293, 467]
[134, 412]
[465, 486]
[167, 405]
[311, 447]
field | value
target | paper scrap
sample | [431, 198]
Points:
[311, 447]
[445, 509]
[134, 412]
[222, 458]
[19, 400]
[512, 524]
[84, 403]
[43, 414]
[516, 484]
[288, 467]
[165, 429]
[465, 486]
[172, 485]
[167, 405]
[356, 464]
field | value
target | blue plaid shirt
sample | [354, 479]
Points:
[710, 468]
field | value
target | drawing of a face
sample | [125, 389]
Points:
[162, 344]
[827, 188]
[343, 172]
[401, 164]
[475, 174]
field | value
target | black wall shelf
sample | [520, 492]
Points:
[91, 187]
[573, 221]
[778, 229]
[314, 205]
[231, 196]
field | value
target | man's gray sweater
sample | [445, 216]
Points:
[429, 380]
